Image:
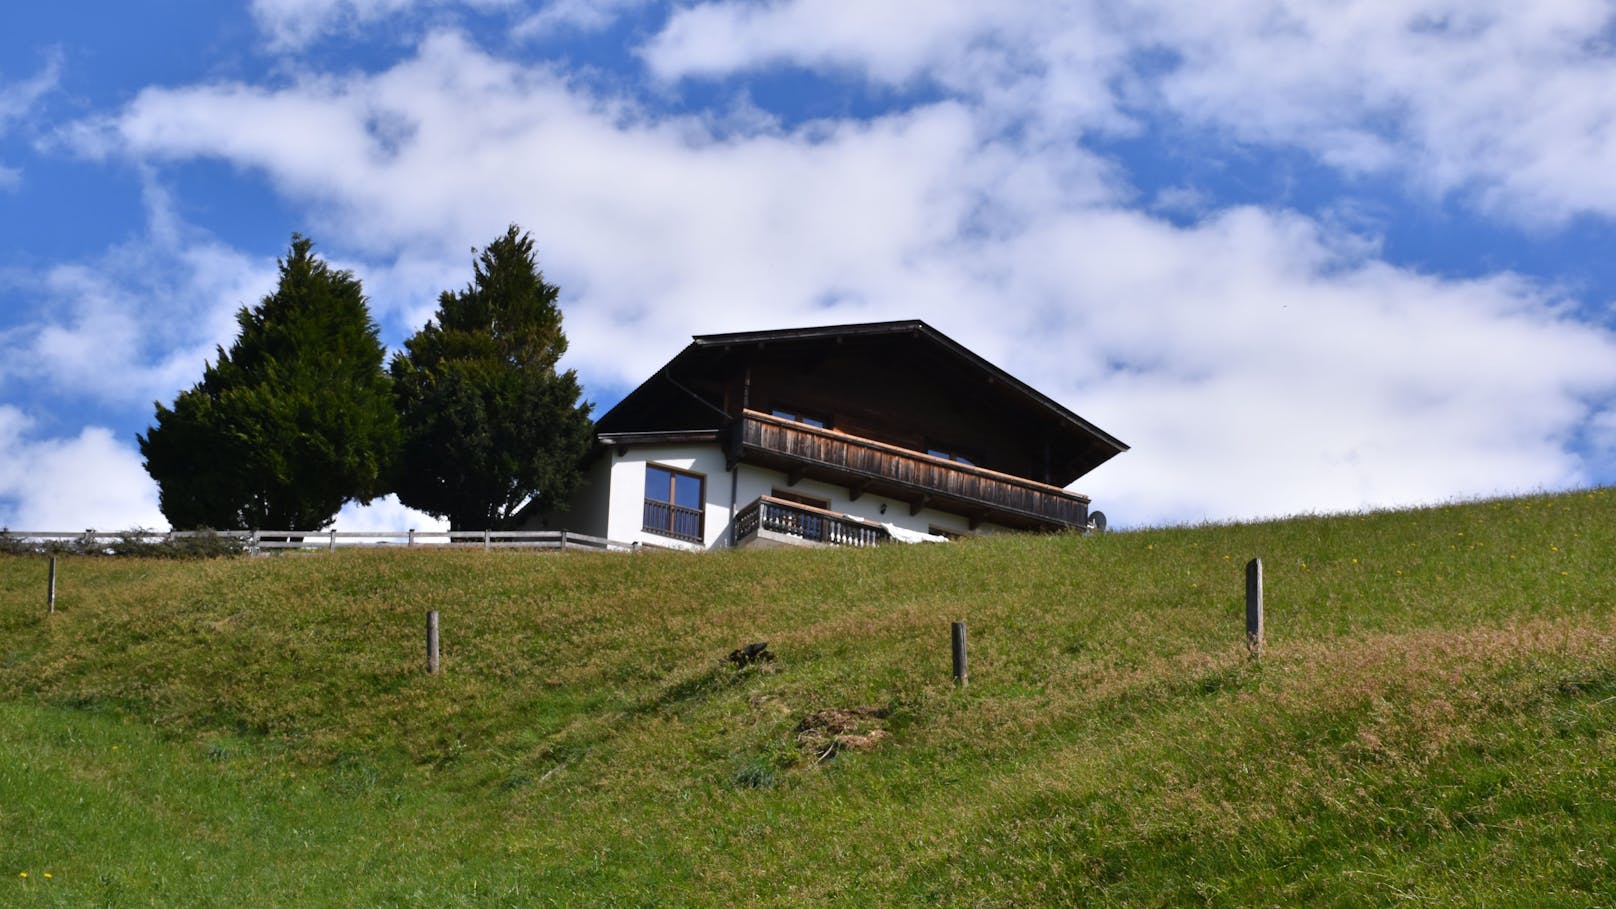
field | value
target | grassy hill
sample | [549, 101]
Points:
[1432, 722]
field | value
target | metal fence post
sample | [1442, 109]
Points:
[432, 642]
[961, 673]
[1254, 608]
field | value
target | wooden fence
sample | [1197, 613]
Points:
[259, 541]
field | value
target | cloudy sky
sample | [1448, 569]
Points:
[1301, 256]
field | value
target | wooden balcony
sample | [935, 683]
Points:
[768, 521]
[924, 481]
[673, 520]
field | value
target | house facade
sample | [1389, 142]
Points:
[840, 435]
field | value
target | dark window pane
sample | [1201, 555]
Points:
[798, 418]
[686, 491]
[657, 483]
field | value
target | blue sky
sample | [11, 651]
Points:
[1302, 257]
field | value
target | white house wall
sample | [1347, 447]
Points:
[627, 511]
[624, 513]
[610, 502]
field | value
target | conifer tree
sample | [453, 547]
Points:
[488, 423]
[294, 420]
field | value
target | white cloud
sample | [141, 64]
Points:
[294, 24]
[579, 15]
[385, 515]
[95, 481]
[136, 323]
[1506, 102]
[1258, 366]
[1020, 58]
[743, 231]
[1258, 361]
[70, 484]
[17, 99]
[893, 42]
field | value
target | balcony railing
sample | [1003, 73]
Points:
[675, 521]
[775, 520]
[865, 464]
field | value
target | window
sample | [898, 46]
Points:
[673, 500]
[797, 416]
[950, 456]
[804, 524]
[799, 498]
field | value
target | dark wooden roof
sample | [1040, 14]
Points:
[900, 383]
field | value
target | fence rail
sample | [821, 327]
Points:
[257, 541]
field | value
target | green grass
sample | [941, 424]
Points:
[1431, 722]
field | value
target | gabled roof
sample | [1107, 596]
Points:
[701, 387]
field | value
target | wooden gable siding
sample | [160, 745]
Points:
[918, 403]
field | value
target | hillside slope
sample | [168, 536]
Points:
[1432, 720]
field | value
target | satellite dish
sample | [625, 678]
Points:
[1097, 522]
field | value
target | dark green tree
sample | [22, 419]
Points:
[488, 423]
[294, 420]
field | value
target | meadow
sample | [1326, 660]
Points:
[1431, 722]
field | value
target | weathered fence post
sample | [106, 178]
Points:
[563, 541]
[252, 543]
[332, 546]
[412, 537]
[1254, 608]
[50, 595]
[432, 642]
[961, 674]
[485, 541]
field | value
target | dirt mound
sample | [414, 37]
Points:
[826, 732]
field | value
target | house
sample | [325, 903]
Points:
[846, 434]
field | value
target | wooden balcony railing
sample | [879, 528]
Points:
[805, 523]
[922, 479]
[675, 521]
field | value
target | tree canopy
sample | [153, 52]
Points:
[294, 420]
[488, 423]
